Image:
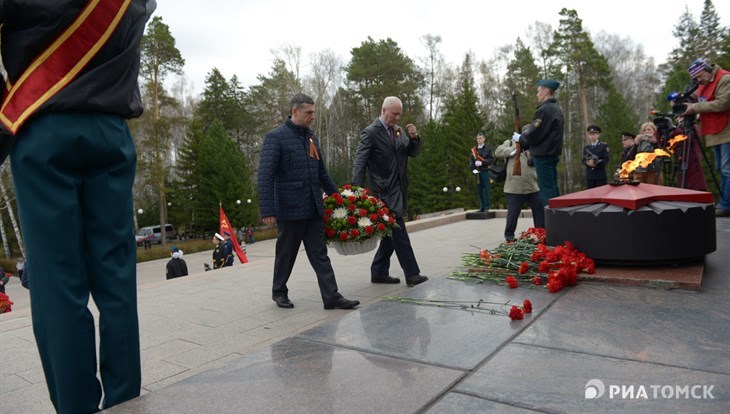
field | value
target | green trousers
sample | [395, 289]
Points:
[73, 175]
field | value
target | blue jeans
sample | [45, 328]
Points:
[547, 177]
[722, 161]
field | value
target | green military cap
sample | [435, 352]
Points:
[549, 83]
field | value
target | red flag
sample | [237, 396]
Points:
[225, 227]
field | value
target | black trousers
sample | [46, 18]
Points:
[291, 234]
[401, 244]
[514, 207]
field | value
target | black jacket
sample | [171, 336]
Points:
[544, 136]
[290, 180]
[107, 84]
[386, 164]
[601, 151]
[176, 267]
[486, 153]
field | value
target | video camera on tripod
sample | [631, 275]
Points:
[680, 99]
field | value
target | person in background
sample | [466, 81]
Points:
[72, 69]
[714, 109]
[383, 154]
[480, 159]
[646, 141]
[628, 151]
[4, 279]
[176, 267]
[292, 176]
[227, 250]
[520, 189]
[544, 139]
[595, 158]
[219, 257]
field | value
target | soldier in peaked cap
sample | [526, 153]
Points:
[595, 158]
[544, 139]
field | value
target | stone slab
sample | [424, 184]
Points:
[554, 380]
[677, 328]
[480, 215]
[685, 276]
[297, 376]
[455, 402]
[453, 338]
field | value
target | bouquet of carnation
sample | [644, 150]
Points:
[6, 305]
[354, 220]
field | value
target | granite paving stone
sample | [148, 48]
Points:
[639, 324]
[295, 375]
[455, 402]
[555, 380]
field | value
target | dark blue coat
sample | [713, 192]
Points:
[601, 151]
[290, 181]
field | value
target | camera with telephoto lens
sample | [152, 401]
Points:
[680, 99]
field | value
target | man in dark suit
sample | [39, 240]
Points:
[383, 152]
[595, 158]
[292, 175]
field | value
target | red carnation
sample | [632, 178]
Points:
[351, 220]
[512, 282]
[347, 187]
[524, 267]
[381, 227]
[369, 230]
[354, 233]
[516, 313]
[373, 217]
[362, 212]
[352, 198]
[527, 306]
[537, 280]
[543, 267]
[330, 232]
[352, 207]
[343, 236]
[554, 285]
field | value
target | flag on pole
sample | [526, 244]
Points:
[225, 227]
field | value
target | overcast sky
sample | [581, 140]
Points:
[237, 36]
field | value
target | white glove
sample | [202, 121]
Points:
[512, 154]
[478, 163]
[515, 137]
[474, 172]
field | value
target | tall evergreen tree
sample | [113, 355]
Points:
[159, 58]
[378, 70]
[460, 123]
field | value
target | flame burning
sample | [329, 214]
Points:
[642, 159]
[675, 140]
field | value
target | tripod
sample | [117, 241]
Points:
[685, 157]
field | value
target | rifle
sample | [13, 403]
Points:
[517, 166]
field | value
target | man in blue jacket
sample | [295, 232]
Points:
[292, 175]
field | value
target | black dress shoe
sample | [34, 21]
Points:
[384, 279]
[282, 302]
[342, 303]
[415, 280]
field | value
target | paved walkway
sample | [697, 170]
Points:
[215, 342]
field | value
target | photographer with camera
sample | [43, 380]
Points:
[595, 158]
[646, 141]
[713, 106]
